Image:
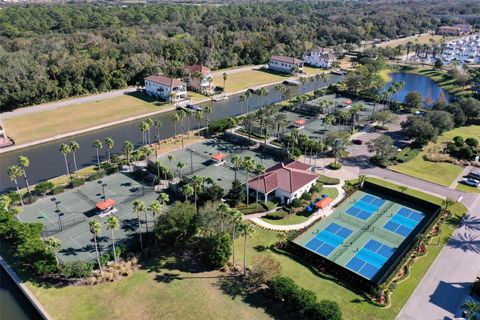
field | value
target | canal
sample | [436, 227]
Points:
[47, 162]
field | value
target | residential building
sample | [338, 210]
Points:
[320, 57]
[285, 64]
[161, 86]
[199, 78]
[286, 181]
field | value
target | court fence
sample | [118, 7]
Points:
[61, 225]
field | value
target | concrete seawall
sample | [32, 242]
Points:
[11, 273]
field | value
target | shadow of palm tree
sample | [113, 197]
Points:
[471, 223]
[465, 242]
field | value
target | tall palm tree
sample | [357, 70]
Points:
[176, 119]
[248, 164]
[150, 124]
[158, 124]
[181, 165]
[196, 182]
[242, 99]
[317, 78]
[128, 149]
[95, 229]
[109, 143]
[143, 126]
[302, 80]
[236, 163]
[24, 162]
[163, 198]
[187, 191]
[247, 95]
[14, 172]
[65, 150]
[225, 77]
[97, 144]
[182, 114]
[139, 207]
[199, 116]
[280, 89]
[337, 147]
[280, 121]
[248, 121]
[263, 92]
[236, 219]
[259, 170]
[207, 110]
[170, 158]
[246, 230]
[155, 207]
[329, 119]
[113, 224]
[74, 146]
[355, 110]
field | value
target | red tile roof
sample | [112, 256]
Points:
[289, 177]
[105, 204]
[300, 122]
[166, 81]
[197, 68]
[323, 203]
[219, 156]
[286, 59]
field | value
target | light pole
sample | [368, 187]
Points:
[143, 181]
[207, 127]
[100, 182]
[58, 212]
[183, 129]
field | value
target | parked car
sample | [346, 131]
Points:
[471, 182]
[357, 141]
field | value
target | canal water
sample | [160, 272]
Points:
[47, 162]
[428, 88]
[13, 304]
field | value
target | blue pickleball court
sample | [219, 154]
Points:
[404, 221]
[370, 258]
[365, 207]
[327, 240]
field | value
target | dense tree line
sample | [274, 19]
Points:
[51, 52]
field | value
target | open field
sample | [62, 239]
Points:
[243, 80]
[423, 38]
[443, 173]
[311, 71]
[165, 289]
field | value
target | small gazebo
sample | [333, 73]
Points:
[218, 158]
[105, 206]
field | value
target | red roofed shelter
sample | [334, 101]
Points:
[323, 203]
[286, 181]
[218, 157]
[347, 102]
[106, 205]
[299, 123]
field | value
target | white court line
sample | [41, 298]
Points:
[79, 246]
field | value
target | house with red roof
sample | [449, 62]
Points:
[199, 78]
[285, 64]
[286, 181]
[166, 88]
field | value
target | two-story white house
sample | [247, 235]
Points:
[286, 181]
[320, 57]
[285, 64]
[161, 86]
[199, 78]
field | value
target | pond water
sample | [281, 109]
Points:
[428, 88]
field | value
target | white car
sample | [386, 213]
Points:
[471, 182]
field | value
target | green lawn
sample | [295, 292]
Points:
[444, 81]
[170, 289]
[243, 80]
[439, 172]
[465, 188]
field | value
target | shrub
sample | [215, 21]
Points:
[264, 268]
[218, 125]
[297, 153]
[472, 142]
[217, 249]
[109, 168]
[105, 258]
[58, 189]
[42, 188]
[76, 269]
[277, 215]
[334, 166]
[327, 180]
[406, 154]
[306, 196]
[323, 310]
[270, 205]
[97, 175]
[281, 288]
[459, 142]
[76, 182]
[296, 203]
[317, 187]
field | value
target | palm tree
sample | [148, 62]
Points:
[149, 123]
[246, 230]
[196, 182]
[14, 172]
[95, 229]
[109, 143]
[187, 191]
[52, 245]
[225, 77]
[263, 92]
[337, 148]
[248, 121]
[181, 165]
[128, 149]
[280, 121]
[182, 114]
[247, 95]
[173, 98]
[163, 198]
[248, 164]
[143, 126]
[65, 149]
[207, 110]
[329, 119]
[199, 116]
[354, 111]
[236, 163]
[158, 124]
[317, 78]
[236, 218]
[74, 146]
[138, 207]
[259, 170]
[113, 224]
[97, 144]
[170, 158]
[24, 162]
[302, 80]
[242, 99]
[156, 207]
[176, 119]
[280, 89]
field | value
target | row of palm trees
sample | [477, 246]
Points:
[17, 170]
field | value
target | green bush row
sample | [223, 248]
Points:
[327, 180]
[406, 154]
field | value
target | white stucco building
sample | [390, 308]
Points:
[199, 78]
[464, 50]
[285, 64]
[286, 181]
[161, 86]
[320, 57]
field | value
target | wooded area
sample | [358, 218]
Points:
[50, 52]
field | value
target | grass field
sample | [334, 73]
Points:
[444, 81]
[423, 38]
[168, 289]
[243, 80]
[465, 188]
[311, 71]
[439, 172]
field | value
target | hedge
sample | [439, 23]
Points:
[328, 180]
[58, 190]
[406, 154]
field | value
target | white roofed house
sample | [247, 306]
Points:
[285, 64]
[166, 88]
[320, 57]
